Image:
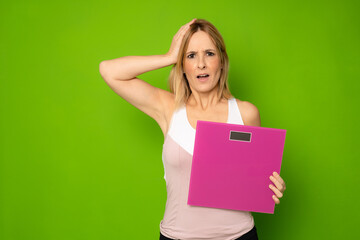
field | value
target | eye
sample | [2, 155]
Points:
[211, 53]
[189, 56]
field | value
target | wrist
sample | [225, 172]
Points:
[170, 58]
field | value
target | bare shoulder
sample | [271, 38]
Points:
[249, 113]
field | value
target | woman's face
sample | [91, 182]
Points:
[201, 57]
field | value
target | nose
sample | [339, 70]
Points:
[201, 62]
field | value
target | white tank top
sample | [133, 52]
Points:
[183, 221]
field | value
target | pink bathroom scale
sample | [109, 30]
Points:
[232, 164]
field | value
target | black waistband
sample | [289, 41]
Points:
[251, 235]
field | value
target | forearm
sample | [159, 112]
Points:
[128, 67]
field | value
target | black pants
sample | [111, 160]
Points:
[251, 235]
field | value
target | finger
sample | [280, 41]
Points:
[192, 21]
[277, 176]
[189, 23]
[181, 32]
[276, 200]
[186, 26]
[183, 29]
[280, 180]
[178, 33]
[277, 183]
[276, 191]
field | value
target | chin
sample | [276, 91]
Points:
[205, 88]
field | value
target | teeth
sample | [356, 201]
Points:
[205, 75]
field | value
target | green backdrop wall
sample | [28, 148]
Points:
[72, 164]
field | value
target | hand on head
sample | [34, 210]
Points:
[177, 39]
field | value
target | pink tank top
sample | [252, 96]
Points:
[183, 221]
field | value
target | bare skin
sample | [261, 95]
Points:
[201, 57]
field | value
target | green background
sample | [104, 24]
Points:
[79, 162]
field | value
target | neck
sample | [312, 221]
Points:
[204, 101]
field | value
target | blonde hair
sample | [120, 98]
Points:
[178, 83]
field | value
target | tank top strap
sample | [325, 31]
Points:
[234, 113]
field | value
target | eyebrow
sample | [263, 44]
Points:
[204, 51]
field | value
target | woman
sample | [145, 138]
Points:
[198, 91]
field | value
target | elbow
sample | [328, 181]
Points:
[102, 69]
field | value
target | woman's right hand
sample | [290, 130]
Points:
[176, 42]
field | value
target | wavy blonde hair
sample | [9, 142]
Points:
[178, 83]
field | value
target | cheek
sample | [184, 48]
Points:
[188, 67]
[215, 63]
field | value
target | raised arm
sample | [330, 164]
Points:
[120, 74]
[128, 67]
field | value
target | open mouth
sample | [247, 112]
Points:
[203, 77]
